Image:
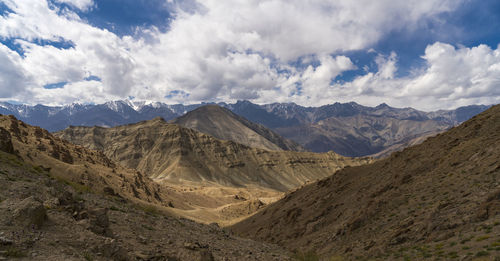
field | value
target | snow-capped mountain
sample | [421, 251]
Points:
[349, 129]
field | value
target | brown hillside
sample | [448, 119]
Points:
[439, 199]
[225, 125]
[89, 170]
[47, 218]
[177, 155]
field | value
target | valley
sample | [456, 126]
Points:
[232, 176]
[155, 189]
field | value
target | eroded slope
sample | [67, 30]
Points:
[174, 154]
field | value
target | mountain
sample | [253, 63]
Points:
[85, 169]
[90, 170]
[174, 154]
[439, 199]
[362, 130]
[360, 134]
[59, 201]
[354, 130]
[226, 125]
[109, 114]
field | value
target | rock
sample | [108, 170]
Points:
[191, 246]
[6, 141]
[51, 203]
[29, 212]
[206, 255]
[5, 241]
[109, 191]
[99, 222]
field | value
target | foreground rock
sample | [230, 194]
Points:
[26, 213]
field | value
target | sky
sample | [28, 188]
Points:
[426, 54]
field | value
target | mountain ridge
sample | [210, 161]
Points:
[281, 118]
[172, 152]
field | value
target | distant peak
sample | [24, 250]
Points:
[158, 119]
[382, 105]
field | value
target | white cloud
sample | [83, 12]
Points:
[228, 50]
[12, 77]
[453, 77]
[83, 5]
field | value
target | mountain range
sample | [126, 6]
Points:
[349, 129]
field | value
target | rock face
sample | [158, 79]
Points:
[225, 125]
[174, 154]
[99, 222]
[6, 141]
[435, 198]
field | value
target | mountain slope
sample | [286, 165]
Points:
[360, 134]
[86, 169]
[171, 153]
[438, 199]
[225, 125]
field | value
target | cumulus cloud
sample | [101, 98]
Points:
[83, 5]
[452, 77]
[229, 50]
[12, 77]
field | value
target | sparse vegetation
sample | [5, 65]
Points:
[306, 256]
[481, 238]
[14, 252]
[88, 256]
[148, 209]
[78, 187]
[482, 253]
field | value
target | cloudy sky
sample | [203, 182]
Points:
[427, 54]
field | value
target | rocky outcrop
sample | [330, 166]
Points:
[6, 141]
[28, 213]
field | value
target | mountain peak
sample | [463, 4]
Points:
[382, 105]
[226, 125]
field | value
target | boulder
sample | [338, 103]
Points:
[99, 222]
[6, 141]
[28, 212]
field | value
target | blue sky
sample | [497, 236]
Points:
[426, 54]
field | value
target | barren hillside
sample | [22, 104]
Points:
[225, 125]
[174, 154]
